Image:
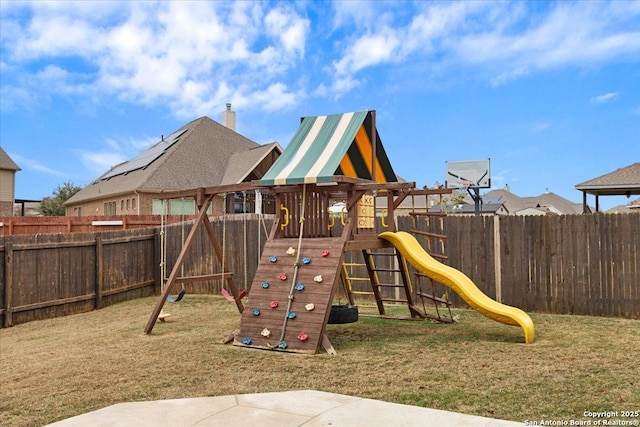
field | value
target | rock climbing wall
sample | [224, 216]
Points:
[266, 312]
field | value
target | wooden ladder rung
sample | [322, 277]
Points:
[432, 298]
[428, 234]
[393, 300]
[358, 279]
[362, 293]
[386, 270]
[353, 264]
[389, 285]
[382, 254]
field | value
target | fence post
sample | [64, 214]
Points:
[8, 276]
[497, 253]
[99, 266]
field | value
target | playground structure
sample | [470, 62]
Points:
[336, 158]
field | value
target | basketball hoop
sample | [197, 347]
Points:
[464, 183]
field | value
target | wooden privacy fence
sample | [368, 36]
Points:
[13, 225]
[572, 264]
[569, 264]
[51, 275]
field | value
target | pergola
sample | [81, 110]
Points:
[621, 182]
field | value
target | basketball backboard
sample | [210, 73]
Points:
[469, 174]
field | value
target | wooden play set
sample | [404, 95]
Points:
[335, 158]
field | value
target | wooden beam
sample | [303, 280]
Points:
[201, 217]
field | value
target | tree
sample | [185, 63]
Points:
[54, 204]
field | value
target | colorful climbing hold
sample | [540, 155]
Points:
[309, 307]
[306, 260]
[246, 341]
[302, 336]
[283, 277]
[324, 253]
[299, 287]
[283, 345]
[291, 315]
[273, 258]
[318, 278]
[255, 312]
[291, 251]
[265, 285]
[265, 333]
[273, 304]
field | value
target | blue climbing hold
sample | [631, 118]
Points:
[299, 287]
[306, 260]
[273, 258]
[246, 341]
[283, 345]
[255, 312]
[265, 285]
[291, 315]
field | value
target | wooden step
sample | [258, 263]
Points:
[428, 234]
[387, 270]
[389, 285]
[404, 301]
[432, 298]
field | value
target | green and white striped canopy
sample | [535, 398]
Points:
[328, 146]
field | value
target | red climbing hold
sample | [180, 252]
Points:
[324, 253]
[273, 304]
[283, 277]
[302, 336]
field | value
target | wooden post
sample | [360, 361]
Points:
[497, 262]
[374, 144]
[99, 272]
[8, 289]
[201, 217]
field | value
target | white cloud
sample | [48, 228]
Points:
[177, 53]
[541, 126]
[26, 163]
[604, 98]
[505, 41]
[195, 56]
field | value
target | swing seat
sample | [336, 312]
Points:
[177, 298]
[230, 297]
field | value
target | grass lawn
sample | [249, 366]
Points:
[58, 368]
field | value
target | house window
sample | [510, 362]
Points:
[133, 203]
[110, 208]
[122, 205]
[128, 204]
[182, 207]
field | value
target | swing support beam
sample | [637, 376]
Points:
[203, 200]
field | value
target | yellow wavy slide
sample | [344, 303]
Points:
[413, 252]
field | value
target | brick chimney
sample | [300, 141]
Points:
[229, 118]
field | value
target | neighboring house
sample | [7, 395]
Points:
[633, 206]
[547, 203]
[202, 153]
[8, 170]
[621, 182]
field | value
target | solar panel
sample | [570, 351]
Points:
[147, 157]
[492, 200]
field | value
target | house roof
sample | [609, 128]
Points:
[633, 206]
[6, 163]
[327, 146]
[242, 163]
[620, 182]
[196, 155]
[548, 201]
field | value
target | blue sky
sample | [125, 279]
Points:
[549, 91]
